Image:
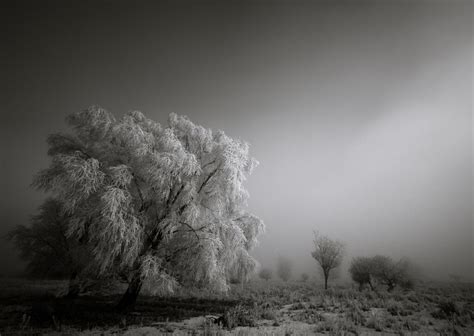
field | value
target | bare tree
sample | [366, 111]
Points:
[162, 204]
[285, 268]
[328, 253]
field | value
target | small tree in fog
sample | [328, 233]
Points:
[455, 277]
[265, 274]
[328, 253]
[285, 268]
[383, 270]
[408, 273]
[360, 270]
[47, 249]
[164, 205]
[391, 273]
[304, 277]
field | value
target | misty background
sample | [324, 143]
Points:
[359, 113]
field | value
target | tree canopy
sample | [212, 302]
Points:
[166, 204]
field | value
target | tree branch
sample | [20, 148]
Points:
[192, 229]
[209, 163]
[176, 195]
[207, 179]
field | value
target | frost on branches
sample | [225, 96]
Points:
[164, 204]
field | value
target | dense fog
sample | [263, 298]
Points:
[360, 116]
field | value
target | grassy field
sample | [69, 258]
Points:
[257, 308]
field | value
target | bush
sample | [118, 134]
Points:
[360, 270]
[375, 322]
[355, 314]
[395, 308]
[269, 314]
[410, 325]
[238, 316]
[384, 270]
[310, 316]
[265, 274]
[449, 308]
[285, 268]
[336, 326]
[407, 283]
[298, 306]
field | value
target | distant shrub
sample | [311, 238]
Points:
[407, 283]
[396, 308]
[209, 328]
[325, 325]
[269, 314]
[390, 321]
[336, 326]
[413, 297]
[451, 311]
[304, 277]
[285, 268]
[410, 325]
[449, 308]
[41, 314]
[383, 270]
[265, 274]
[235, 280]
[298, 306]
[360, 270]
[371, 296]
[238, 316]
[310, 316]
[375, 321]
[439, 314]
[355, 314]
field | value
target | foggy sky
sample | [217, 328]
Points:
[360, 114]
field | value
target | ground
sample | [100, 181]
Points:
[257, 308]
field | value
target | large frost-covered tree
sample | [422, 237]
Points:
[161, 204]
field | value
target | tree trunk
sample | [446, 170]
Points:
[130, 297]
[326, 276]
[74, 287]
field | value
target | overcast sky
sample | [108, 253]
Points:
[359, 113]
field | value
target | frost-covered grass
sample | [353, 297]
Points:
[257, 308]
